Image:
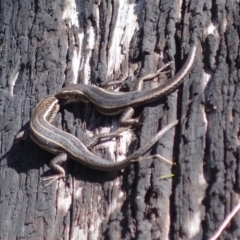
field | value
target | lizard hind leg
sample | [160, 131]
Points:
[126, 118]
[55, 165]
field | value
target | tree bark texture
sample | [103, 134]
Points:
[45, 45]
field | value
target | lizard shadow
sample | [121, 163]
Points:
[25, 155]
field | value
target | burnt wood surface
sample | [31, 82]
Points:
[46, 45]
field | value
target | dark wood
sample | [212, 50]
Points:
[45, 45]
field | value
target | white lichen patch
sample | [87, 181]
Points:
[205, 79]
[78, 192]
[193, 224]
[13, 82]
[211, 29]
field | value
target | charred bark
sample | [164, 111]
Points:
[45, 45]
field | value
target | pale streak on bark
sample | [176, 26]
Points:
[126, 26]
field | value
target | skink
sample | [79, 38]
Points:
[65, 145]
[113, 103]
